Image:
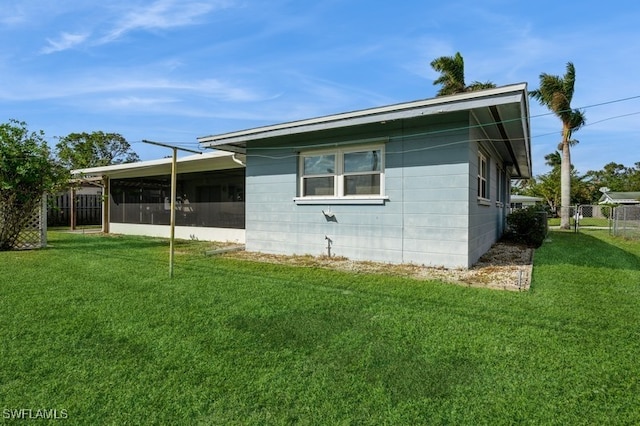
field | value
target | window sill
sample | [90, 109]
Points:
[484, 202]
[341, 201]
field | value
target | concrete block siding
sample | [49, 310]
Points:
[425, 219]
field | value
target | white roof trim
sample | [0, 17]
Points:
[150, 164]
[617, 198]
[521, 198]
[458, 102]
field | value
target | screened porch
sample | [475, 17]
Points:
[205, 199]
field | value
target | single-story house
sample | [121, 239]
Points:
[522, 201]
[209, 205]
[620, 198]
[423, 182]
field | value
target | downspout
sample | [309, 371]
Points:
[233, 157]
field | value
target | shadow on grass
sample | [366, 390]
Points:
[101, 242]
[580, 249]
[404, 368]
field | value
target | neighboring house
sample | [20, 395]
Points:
[620, 198]
[423, 182]
[209, 205]
[522, 201]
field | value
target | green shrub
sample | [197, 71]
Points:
[606, 210]
[527, 226]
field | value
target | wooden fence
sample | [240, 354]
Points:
[88, 210]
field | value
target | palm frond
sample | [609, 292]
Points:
[479, 85]
[451, 69]
[569, 81]
[576, 120]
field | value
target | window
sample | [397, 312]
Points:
[342, 173]
[362, 172]
[319, 173]
[483, 174]
[500, 184]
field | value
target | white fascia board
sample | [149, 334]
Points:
[150, 167]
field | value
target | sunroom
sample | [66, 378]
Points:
[209, 203]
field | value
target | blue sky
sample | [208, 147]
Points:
[173, 70]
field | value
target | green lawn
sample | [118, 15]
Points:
[93, 327]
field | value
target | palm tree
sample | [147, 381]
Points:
[451, 69]
[556, 94]
[553, 159]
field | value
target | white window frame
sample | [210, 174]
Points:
[483, 197]
[500, 185]
[339, 175]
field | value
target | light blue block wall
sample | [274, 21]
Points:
[428, 217]
[485, 219]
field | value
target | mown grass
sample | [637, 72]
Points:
[94, 326]
[601, 222]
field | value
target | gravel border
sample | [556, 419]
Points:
[506, 266]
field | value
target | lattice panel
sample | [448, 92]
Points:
[34, 234]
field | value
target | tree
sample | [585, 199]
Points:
[82, 150]
[556, 93]
[548, 185]
[27, 171]
[451, 69]
[554, 159]
[634, 178]
[616, 177]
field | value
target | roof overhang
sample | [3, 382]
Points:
[216, 160]
[502, 112]
[620, 198]
[525, 198]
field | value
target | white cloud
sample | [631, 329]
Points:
[115, 21]
[12, 16]
[162, 14]
[138, 102]
[134, 85]
[64, 42]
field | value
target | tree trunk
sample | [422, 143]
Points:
[565, 182]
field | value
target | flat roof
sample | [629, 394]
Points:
[214, 160]
[502, 110]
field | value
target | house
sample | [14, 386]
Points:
[620, 198]
[522, 201]
[209, 205]
[423, 182]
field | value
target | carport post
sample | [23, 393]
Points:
[174, 174]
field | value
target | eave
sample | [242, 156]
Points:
[193, 163]
[503, 110]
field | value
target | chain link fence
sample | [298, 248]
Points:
[621, 221]
[626, 222]
[592, 216]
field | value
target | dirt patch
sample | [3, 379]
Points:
[506, 266]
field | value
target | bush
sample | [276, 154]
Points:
[527, 226]
[27, 171]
